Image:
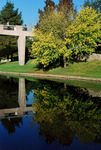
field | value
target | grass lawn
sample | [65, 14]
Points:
[14, 67]
[84, 69]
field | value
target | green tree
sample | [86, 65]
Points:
[54, 24]
[49, 3]
[95, 4]
[28, 48]
[65, 6]
[83, 34]
[45, 48]
[8, 14]
[72, 37]
[49, 6]
[9, 47]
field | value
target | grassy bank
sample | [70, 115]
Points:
[84, 69]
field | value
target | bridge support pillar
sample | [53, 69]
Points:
[21, 50]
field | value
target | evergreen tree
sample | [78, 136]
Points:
[8, 14]
[95, 4]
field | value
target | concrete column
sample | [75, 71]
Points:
[1, 28]
[22, 93]
[21, 49]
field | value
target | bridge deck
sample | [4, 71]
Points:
[14, 31]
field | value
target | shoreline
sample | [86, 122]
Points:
[65, 77]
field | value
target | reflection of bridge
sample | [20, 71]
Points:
[17, 112]
[21, 34]
[14, 112]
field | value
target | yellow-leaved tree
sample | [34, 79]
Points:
[57, 37]
[49, 37]
[45, 48]
[84, 32]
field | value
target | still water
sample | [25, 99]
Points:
[49, 115]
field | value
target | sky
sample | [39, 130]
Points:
[29, 8]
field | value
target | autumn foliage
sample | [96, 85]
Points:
[62, 35]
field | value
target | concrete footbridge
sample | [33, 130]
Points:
[21, 32]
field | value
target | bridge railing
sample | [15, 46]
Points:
[13, 27]
[9, 27]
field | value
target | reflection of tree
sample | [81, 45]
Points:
[8, 92]
[10, 125]
[62, 118]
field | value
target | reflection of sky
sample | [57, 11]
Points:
[27, 137]
[30, 98]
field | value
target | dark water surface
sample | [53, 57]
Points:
[49, 115]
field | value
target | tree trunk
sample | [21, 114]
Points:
[12, 57]
[65, 89]
[65, 63]
[7, 58]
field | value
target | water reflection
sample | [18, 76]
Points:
[13, 103]
[66, 115]
[63, 112]
[20, 97]
[10, 124]
[8, 93]
[22, 93]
